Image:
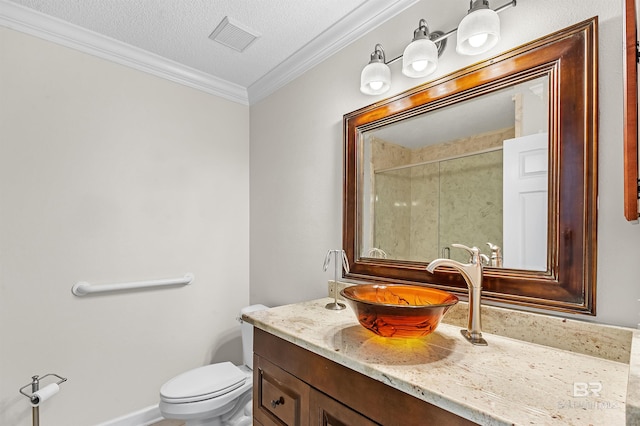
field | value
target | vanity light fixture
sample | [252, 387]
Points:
[420, 57]
[376, 76]
[478, 32]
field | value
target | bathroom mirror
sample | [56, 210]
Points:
[423, 175]
[502, 152]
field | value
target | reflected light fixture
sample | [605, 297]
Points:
[478, 32]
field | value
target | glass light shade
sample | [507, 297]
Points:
[420, 58]
[478, 32]
[375, 78]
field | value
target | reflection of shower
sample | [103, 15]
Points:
[423, 207]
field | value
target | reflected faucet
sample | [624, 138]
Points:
[496, 255]
[472, 274]
[376, 252]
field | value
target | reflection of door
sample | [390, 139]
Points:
[525, 198]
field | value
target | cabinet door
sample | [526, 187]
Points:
[327, 411]
[630, 110]
[278, 397]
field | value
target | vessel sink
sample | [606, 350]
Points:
[398, 310]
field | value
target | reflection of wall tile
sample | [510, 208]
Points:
[462, 146]
[424, 212]
[392, 217]
[392, 205]
[471, 202]
[386, 154]
[420, 209]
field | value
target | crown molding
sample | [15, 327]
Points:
[365, 18]
[362, 20]
[29, 21]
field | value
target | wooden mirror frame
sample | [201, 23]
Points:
[569, 58]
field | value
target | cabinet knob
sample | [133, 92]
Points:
[276, 402]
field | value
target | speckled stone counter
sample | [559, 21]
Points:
[511, 381]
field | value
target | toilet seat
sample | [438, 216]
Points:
[199, 384]
[213, 395]
[206, 407]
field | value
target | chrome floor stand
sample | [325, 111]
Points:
[34, 398]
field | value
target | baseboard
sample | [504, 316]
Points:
[144, 417]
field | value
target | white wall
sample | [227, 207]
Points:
[107, 175]
[296, 152]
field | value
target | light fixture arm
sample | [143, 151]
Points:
[422, 31]
[377, 55]
[512, 3]
[477, 5]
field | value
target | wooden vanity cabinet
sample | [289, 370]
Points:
[278, 397]
[293, 386]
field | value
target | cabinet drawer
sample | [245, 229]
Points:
[279, 398]
[327, 411]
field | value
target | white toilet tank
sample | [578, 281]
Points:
[247, 335]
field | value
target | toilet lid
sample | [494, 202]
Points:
[201, 383]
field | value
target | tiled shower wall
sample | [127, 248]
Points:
[421, 209]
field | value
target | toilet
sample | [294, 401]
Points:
[217, 394]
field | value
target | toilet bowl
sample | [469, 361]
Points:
[214, 395]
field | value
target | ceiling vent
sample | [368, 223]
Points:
[233, 34]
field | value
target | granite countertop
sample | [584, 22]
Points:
[510, 381]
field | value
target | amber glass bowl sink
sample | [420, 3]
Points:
[397, 310]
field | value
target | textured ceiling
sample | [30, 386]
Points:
[179, 29]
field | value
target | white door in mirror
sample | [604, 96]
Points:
[525, 199]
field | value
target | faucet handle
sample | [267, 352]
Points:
[471, 250]
[495, 249]
[474, 252]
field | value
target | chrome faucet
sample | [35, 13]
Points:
[472, 274]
